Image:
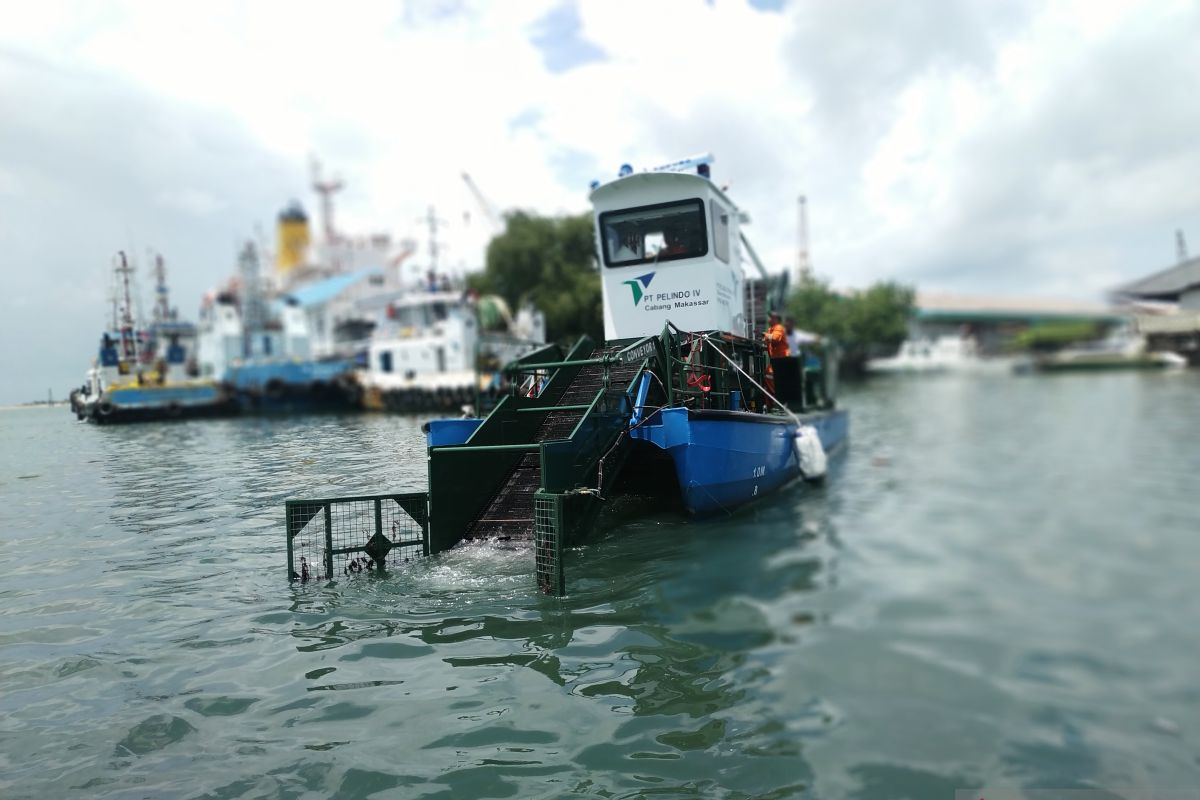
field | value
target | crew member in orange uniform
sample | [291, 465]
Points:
[777, 346]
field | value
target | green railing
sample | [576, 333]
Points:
[712, 379]
[700, 378]
[573, 463]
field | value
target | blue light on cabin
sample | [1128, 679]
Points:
[626, 169]
[594, 185]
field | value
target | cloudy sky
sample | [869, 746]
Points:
[1046, 148]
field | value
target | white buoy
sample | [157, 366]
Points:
[810, 453]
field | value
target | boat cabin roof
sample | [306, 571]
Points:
[668, 245]
[626, 190]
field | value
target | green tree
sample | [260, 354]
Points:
[814, 306]
[863, 323]
[550, 262]
[1049, 336]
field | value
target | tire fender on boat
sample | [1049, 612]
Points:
[810, 453]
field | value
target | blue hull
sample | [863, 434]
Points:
[153, 403]
[151, 397]
[723, 459]
[726, 458]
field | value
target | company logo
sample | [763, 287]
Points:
[639, 284]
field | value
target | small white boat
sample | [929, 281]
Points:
[1122, 350]
[428, 351]
[944, 354]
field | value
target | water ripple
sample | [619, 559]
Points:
[993, 588]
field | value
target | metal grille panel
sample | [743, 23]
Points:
[338, 537]
[547, 543]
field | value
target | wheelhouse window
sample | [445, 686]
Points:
[720, 232]
[661, 232]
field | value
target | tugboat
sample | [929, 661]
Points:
[431, 351]
[147, 375]
[680, 405]
[436, 345]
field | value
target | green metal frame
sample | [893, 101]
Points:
[463, 478]
[548, 543]
[818, 389]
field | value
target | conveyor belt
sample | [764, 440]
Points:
[509, 514]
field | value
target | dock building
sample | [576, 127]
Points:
[994, 321]
[1166, 308]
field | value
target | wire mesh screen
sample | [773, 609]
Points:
[338, 537]
[547, 543]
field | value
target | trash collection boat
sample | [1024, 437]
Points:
[681, 404]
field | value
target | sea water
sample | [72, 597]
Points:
[997, 586]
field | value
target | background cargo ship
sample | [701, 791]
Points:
[356, 322]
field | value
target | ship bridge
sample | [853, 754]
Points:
[669, 247]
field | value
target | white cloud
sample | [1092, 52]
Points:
[196, 202]
[992, 146]
[10, 184]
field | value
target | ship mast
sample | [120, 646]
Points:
[114, 321]
[128, 342]
[254, 309]
[431, 219]
[162, 306]
[803, 264]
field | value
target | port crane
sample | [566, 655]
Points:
[488, 210]
[326, 190]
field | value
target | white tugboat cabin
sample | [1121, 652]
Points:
[669, 248]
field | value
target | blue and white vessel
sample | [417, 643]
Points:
[680, 407]
[681, 403]
[261, 351]
[147, 373]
